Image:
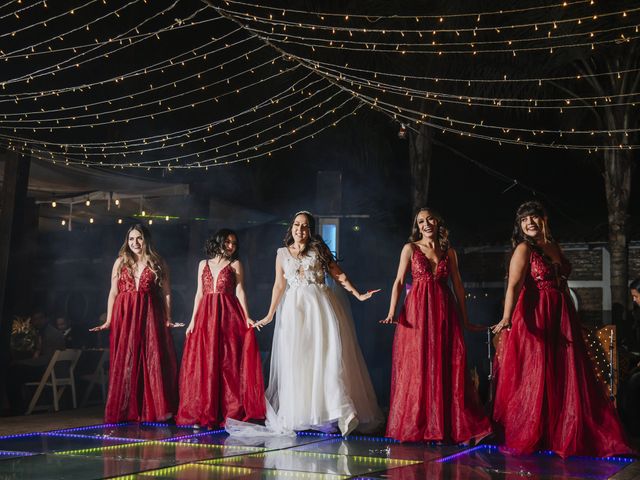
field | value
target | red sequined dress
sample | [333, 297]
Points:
[143, 370]
[548, 396]
[432, 396]
[221, 372]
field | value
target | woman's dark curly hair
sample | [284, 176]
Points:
[443, 232]
[315, 243]
[214, 245]
[526, 209]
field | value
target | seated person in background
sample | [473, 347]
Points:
[629, 358]
[50, 339]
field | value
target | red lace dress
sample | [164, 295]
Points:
[221, 372]
[143, 371]
[547, 394]
[432, 396]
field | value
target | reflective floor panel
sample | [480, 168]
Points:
[164, 451]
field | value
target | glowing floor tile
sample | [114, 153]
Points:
[7, 455]
[201, 472]
[372, 447]
[44, 443]
[139, 431]
[275, 442]
[161, 454]
[491, 461]
[311, 462]
[61, 467]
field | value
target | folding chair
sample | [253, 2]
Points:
[58, 375]
[99, 376]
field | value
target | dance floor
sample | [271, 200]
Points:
[162, 451]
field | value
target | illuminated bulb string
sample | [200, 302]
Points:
[378, 17]
[205, 138]
[237, 141]
[104, 146]
[73, 63]
[244, 16]
[82, 27]
[170, 28]
[472, 51]
[55, 17]
[25, 121]
[392, 113]
[174, 61]
[165, 111]
[377, 102]
[468, 81]
[368, 45]
[529, 103]
[211, 162]
[20, 10]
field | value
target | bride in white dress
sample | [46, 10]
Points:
[318, 378]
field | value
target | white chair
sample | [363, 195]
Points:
[58, 375]
[100, 376]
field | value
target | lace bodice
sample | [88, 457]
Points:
[421, 266]
[225, 283]
[547, 275]
[306, 270]
[146, 284]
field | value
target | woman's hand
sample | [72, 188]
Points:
[265, 321]
[190, 328]
[367, 295]
[251, 323]
[505, 323]
[99, 328]
[388, 320]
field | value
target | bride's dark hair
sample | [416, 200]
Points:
[315, 243]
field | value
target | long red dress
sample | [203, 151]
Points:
[547, 394]
[221, 372]
[432, 396]
[143, 370]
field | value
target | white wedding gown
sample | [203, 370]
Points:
[318, 378]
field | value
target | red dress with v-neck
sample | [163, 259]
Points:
[432, 396]
[143, 369]
[548, 396]
[221, 372]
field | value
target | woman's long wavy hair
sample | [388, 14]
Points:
[214, 245]
[532, 207]
[443, 232]
[151, 257]
[315, 243]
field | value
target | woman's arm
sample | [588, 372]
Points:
[517, 270]
[339, 276]
[398, 283]
[113, 292]
[279, 286]
[240, 293]
[198, 297]
[458, 290]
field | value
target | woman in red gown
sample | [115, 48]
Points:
[143, 371]
[547, 393]
[432, 396]
[221, 373]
